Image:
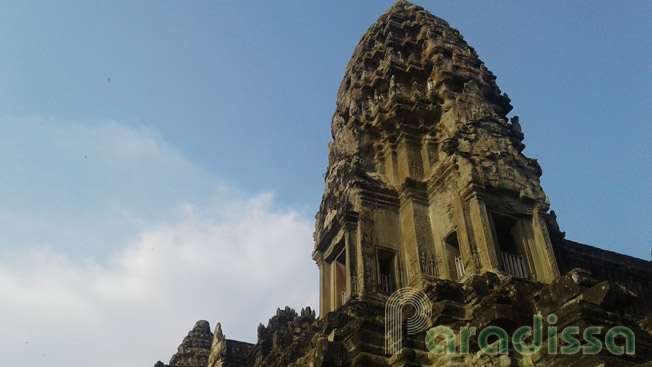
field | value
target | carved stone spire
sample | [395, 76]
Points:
[422, 149]
[195, 348]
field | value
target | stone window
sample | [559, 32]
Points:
[340, 278]
[504, 229]
[455, 264]
[387, 270]
[509, 238]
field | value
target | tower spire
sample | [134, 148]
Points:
[426, 178]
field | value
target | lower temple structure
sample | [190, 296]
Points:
[428, 193]
[355, 334]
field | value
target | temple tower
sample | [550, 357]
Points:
[426, 179]
[426, 187]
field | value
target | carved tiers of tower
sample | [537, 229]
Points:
[425, 172]
[195, 348]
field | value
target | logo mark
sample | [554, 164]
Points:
[419, 321]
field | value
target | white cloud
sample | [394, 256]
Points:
[226, 256]
[63, 180]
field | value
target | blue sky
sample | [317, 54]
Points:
[146, 147]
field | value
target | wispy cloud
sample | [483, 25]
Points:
[223, 256]
[62, 180]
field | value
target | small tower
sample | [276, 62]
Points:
[426, 178]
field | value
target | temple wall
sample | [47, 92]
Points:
[632, 272]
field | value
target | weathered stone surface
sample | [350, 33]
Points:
[285, 338]
[195, 348]
[225, 352]
[630, 272]
[426, 178]
[427, 188]
[354, 335]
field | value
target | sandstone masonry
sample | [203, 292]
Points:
[427, 187]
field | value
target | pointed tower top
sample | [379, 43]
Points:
[402, 7]
[421, 147]
[410, 54]
[400, 4]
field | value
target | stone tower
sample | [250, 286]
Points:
[426, 178]
[427, 187]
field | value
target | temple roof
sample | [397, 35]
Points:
[412, 62]
[412, 79]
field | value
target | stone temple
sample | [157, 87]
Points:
[427, 188]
